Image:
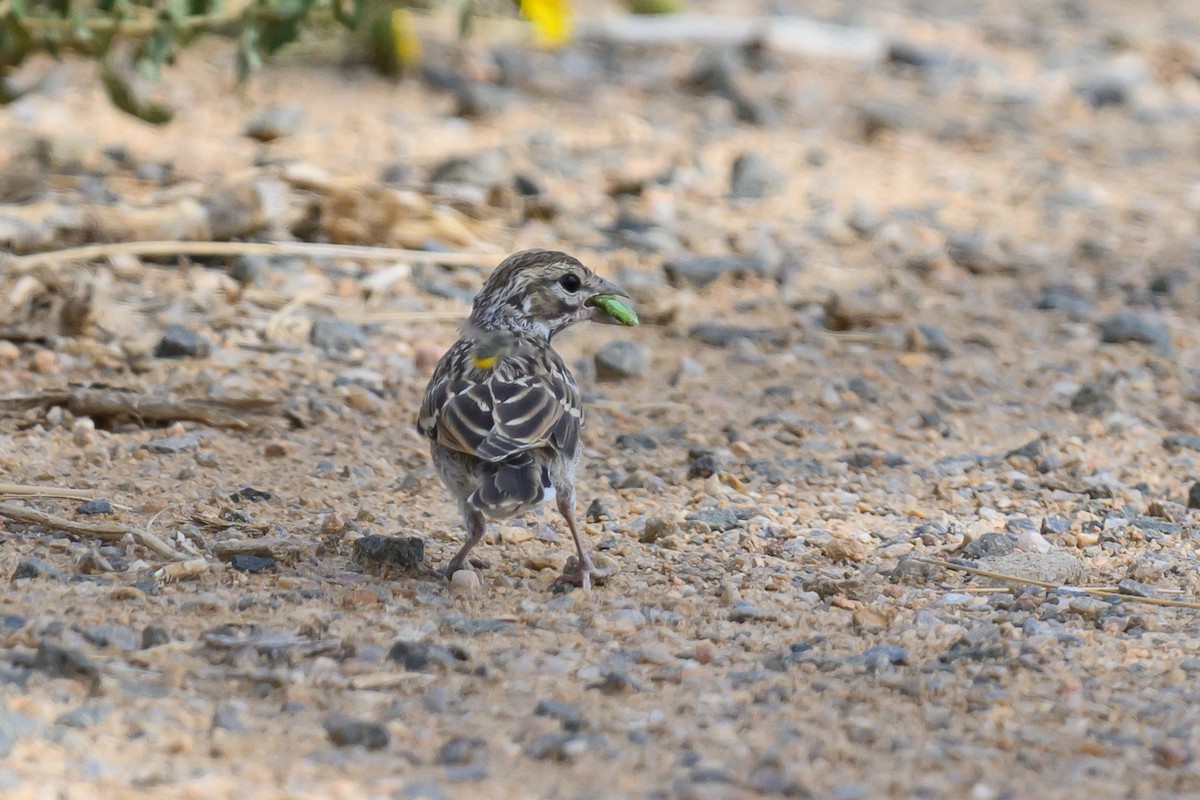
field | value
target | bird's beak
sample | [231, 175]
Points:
[602, 287]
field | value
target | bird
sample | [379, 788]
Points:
[502, 412]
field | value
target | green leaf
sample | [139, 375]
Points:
[124, 98]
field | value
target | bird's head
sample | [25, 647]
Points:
[541, 292]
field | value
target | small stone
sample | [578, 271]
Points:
[346, 731]
[403, 552]
[418, 656]
[1193, 498]
[717, 519]
[460, 750]
[227, 716]
[597, 511]
[251, 269]
[38, 568]
[989, 544]
[1179, 441]
[658, 528]
[744, 611]
[752, 176]
[620, 359]
[173, 444]
[244, 562]
[845, 548]
[85, 716]
[64, 662]
[702, 270]
[1030, 541]
[337, 336]
[552, 747]
[93, 507]
[464, 581]
[154, 635]
[277, 449]
[1055, 525]
[1125, 326]
[45, 362]
[1134, 588]
[480, 100]
[181, 342]
[702, 463]
[275, 123]
[9, 352]
[571, 719]
[1093, 399]
[717, 334]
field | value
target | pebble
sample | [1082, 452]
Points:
[38, 568]
[181, 342]
[567, 715]
[987, 545]
[275, 123]
[1126, 326]
[699, 271]
[8, 351]
[1193, 498]
[402, 552]
[1093, 399]
[336, 336]
[85, 716]
[173, 444]
[45, 362]
[245, 562]
[94, 507]
[752, 177]
[464, 582]
[717, 334]
[460, 750]
[346, 731]
[620, 359]
[1030, 541]
[717, 519]
[1135, 588]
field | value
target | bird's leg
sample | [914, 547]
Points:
[583, 576]
[476, 526]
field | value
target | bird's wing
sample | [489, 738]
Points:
[526, 401]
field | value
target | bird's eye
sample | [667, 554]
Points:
[570, 282]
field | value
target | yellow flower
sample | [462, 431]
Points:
[551, 20]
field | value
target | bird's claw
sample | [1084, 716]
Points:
[575, 574]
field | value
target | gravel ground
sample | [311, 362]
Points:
[938, 304]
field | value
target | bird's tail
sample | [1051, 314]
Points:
[509, 486]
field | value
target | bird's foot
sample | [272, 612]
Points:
[582, 575]
[447, 572]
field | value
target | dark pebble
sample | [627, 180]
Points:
[702, 270]
[615, 681]
[884, 655]
[1133, 588]
[62, 662]
[244, 562]
[702, 463]
[480, 100]
[346, 731]
[460, 750]
[1193, 498]
[336, 335]
[717, 334]
[250, 494]
[12, 622]
[120, 637]
[403, 552]
[38, 568]
[418, 656]
[567, 715]
[173, 444]
[550, 747]
[1093, 399]
[1031, 449]
[226, 717]
[1055, 525]
[98, 506]
[718, 519]
[1060, 297]
[597, 510]
[1125, 326]
[989, 544]
[154, 635]
[1179, 441]
[620, 359]
[180, 342]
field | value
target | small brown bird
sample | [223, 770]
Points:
[502, 411]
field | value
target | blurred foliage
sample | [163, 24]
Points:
[135, 39]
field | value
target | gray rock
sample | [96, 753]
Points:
[1125, 326]
[719, 335]
[251, 269]
[64, 662]
[402, 552]
[1135, 588]
[154, 635]
[346, 731]
[460, 750]
[227, 716]
[420, 656]
[1193, 498]
[275, 123]
[1181, 441]
[38, 568]
[620, 359]
[487, 168]
[480, 100]
[92, 507]
[567, 715]
[180, 342]
[878, 116]
[1055, 525]
[85, 716]
[336, 335]
[752, 176]
[598, 510]
[1093, 399]
[703, 270]
[13, 726]
[1060, 297]
[1114, 82]
[718, 519]
[174, 444]
[988, 545]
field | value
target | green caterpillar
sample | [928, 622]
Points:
[614, 308]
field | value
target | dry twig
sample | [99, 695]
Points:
[103, 531]
[122, 404]
[1098, 592]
